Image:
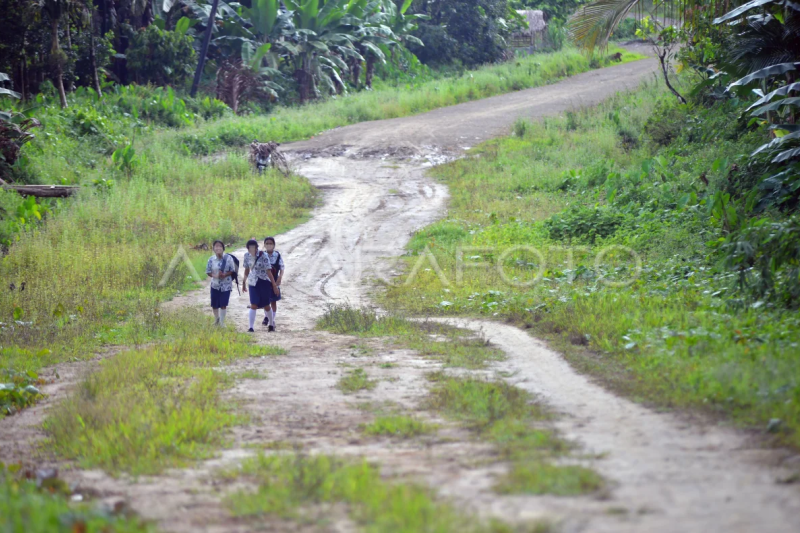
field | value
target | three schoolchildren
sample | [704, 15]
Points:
[263, 273]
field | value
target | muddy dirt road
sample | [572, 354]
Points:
[665, 474]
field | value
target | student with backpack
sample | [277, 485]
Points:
[277, 267]
[261, 285]
[222, 268]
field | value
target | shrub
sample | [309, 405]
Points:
[584, 223]
[161, 57]
[666, 123]
[766, 256]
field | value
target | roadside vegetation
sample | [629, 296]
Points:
[154, 407]
[31, 504]
[289, 485]
[654, 241]
[495, 411]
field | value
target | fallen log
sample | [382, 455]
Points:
[42, 191]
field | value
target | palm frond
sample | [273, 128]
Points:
[591, 26]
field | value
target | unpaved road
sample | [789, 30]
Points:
[665, 474]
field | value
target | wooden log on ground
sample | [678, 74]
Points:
[42, 191]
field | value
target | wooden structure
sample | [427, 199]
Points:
[42, 191]
[534, 35]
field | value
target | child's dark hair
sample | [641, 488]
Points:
[215, 243]
[252, 242]
[270, 239]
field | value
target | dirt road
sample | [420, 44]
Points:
[665, 474]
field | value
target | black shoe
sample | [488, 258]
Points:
[265, 322]
[272, 328]
[251, 330]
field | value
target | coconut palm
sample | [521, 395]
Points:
[591, 25]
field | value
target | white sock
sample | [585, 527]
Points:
[216, 315]
[222, 313]
[274, 314]
[252, 318]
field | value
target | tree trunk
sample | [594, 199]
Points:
[370, 70]
[92, 57]
[662, 59]
[204, 49]
[355, 71]
[57, 59]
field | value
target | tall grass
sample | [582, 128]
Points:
[98, 258]
[295, 123]
[154, 407]
[672, 333]
[290, 483]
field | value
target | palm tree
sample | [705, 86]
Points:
[591, 25]
[54, 9]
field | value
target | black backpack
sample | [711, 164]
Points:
[277, 267]
[235, 276]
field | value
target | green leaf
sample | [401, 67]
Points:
[18, 312]
[182, 26]
[767, 72]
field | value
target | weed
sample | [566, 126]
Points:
[28, 508]
[398, 426]
[251, 374]
[544, 478]
[288, 482]
[505, 415]
[147, 409]
[452, 346]
[354, 381]
[683, 334]
[18, 391]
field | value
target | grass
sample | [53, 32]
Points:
[293, 123]
[148, 409]
[26, 508]
[288, 483]
[96, 260]
[398, 426]
[354, 381]
[452, 346]
[506, 416]
[498, 412]
[569, 187]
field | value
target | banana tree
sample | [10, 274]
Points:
[321, 44]
[366, 20]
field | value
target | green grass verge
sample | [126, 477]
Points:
[156, 407]
[498, 412]
[452, 346]
[614, 176]
[354, 381]
[288, 483]
[26, 508]
[398, 426]
[96, 260]
[506, 416]
[296, 123]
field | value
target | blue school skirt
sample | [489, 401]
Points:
[261, 293]
[219, 298]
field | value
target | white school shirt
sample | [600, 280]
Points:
[273, 257]
[260, 267]
[216, 265]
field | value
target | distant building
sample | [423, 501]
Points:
[534, 35]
